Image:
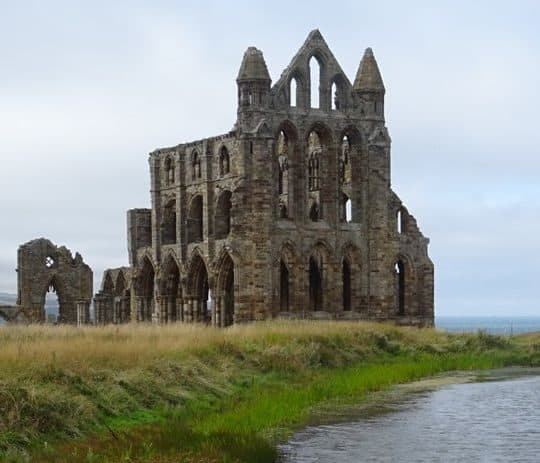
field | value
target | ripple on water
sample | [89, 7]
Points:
[492, 421]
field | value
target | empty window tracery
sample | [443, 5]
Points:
[314, 155]
[315, 80]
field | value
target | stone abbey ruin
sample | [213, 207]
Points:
[290, 214]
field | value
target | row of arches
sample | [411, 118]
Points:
[321, 294]
[169, 166]
[192, 300]
[312, 89]
[195, 219]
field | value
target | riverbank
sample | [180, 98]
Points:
[188, 393]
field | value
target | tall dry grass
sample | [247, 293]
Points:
[30, 348]
[62, 382]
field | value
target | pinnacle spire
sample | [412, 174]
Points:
[368, 76]
[253, 66]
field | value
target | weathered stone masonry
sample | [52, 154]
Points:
[43, 267]
[290, 214]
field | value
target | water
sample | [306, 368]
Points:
[493, 325]
[494, 421]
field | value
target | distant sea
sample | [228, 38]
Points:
[493, 325]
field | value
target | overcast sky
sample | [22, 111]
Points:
[87, 89]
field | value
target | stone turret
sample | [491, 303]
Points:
[253, 82]
[368, 88]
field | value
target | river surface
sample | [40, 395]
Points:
[495, 420]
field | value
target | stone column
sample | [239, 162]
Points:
[139, 301]
[83, 312]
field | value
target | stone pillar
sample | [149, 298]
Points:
[215, 311]
[83, 312]
[179, 309]
[222, 311]
[139, 301]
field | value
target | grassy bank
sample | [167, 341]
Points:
[187, 393]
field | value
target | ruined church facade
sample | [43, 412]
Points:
[291, 214]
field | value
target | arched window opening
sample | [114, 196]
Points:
[52, 305]
[346, 275]
[227, 282]
[169, 171]
[168, 224]
[314, 155]
[399, 287]
[224, 161]
[283, 211]
[195, 166]
[283, 164]
[283, 287]
[400, 221]
[195, 220]
[250, 99]
[223, 215]
[293, 92]
[345, 208]
[315, 79]
[200, 291]
[145, 303]
[315, 284]
[314, 213]
[345, 161]
[171, 291]
[335, 96]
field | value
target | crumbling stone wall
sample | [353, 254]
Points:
[44, 267]
[290, 214]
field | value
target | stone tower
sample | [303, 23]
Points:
[290, 214]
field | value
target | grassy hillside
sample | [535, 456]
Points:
[189, 393]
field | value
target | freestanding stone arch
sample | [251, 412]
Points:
[43, 267]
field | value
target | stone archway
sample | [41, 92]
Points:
[171, 292]
[43, 266]
[145, 291]
[225, 294]
[198, 288]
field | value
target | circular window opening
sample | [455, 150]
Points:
[49, 261]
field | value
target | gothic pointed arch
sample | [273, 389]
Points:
[224, 161]
[171, 290]
[404, 277]
[198, 288]
[146, 289]
[225, 290]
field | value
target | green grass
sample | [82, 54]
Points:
[229, 396]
